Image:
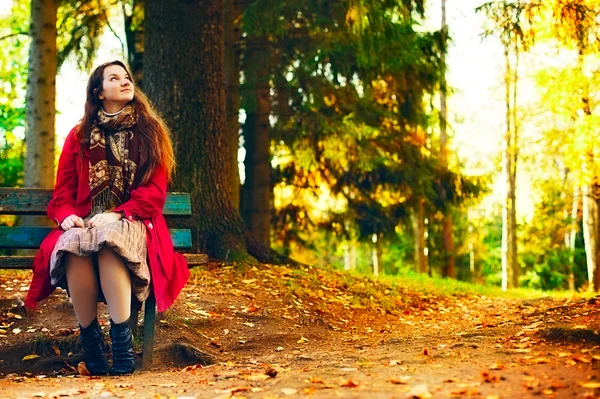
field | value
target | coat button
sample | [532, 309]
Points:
[150, 226]
[130, 217]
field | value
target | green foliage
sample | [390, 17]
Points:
[350, 79]
[13, 79]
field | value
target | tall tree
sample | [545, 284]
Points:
[512, 22]
[41, 95]
[449, 262]
[185, 81]
[233, 35]
[257, 192]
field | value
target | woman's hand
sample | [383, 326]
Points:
[104, 218]
[71, 221]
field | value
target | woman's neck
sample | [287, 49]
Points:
[113, 108]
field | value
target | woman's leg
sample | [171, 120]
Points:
[115, 280]
[83, 287]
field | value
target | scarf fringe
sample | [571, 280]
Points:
[104, 201]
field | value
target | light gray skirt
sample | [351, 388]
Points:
[126, 238]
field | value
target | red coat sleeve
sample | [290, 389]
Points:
[148, 200]
[64, 194]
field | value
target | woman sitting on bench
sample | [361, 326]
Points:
[111, 186]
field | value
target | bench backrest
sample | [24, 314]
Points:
[33, 201]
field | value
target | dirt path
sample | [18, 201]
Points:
[276, 332]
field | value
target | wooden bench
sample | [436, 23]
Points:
[24, 201]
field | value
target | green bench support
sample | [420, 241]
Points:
[27, 201]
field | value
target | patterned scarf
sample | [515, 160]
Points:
[114, 158]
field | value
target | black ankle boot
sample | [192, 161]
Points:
[122, 341]
[92, 341]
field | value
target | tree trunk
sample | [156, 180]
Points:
[232, 93]
[596, 270]
[571, 238]
[590, 232]
[134, 36]
[449, 262]
[376, 256]
[506, 168]
[257, 193]
[41, 97]
[419, 229]
[350, 255]
[514, 154]
[184, 74]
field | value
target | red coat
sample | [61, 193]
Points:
[168, 268]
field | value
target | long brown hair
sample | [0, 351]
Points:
[157, 149]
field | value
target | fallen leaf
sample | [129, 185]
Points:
[248, 324]
[487, 377]
[30, 357]
[531, 383]
[581, 359]
[349, 384]
[82, 369]
[302, 340]
[289, 391]
[419, 392]
[425, 351]
[400, 380]
[56, 350]
[591, 384]
[16, 330]
[497, 366]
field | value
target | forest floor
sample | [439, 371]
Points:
[275, 332]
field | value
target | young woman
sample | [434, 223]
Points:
[112, 241]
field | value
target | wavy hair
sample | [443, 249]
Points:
[157, 148]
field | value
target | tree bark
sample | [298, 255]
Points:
[571, 238]
[449, 261]
[514, 154]
[184, 77]
[41, 98]
[419, 229]
[590, 232]
[506, 234]
[233, 11]
[257, 193]
[134, 36]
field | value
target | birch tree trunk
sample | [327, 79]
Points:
[41, 95]
[590, 221]
[40, 130]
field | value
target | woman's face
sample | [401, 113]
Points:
[117, 88]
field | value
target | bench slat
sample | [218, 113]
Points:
[26, 262]
[33, 201]
[23, 237]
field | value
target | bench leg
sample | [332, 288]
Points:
[149, 319]
[133, 322]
